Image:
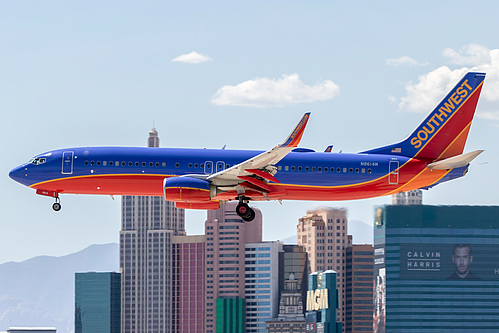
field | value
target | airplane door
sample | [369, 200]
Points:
[67, 162]
[220, 166]
[394, 173]
[208, 167]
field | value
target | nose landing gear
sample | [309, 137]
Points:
[57, 204]
[244, 211]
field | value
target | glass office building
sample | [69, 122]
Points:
[436, 269]
[97, 302]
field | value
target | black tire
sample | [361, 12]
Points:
[250, 216]
[56, 206]
[242, 209]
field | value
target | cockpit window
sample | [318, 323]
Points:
[37, 161]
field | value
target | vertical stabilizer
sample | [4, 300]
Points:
[444, 132]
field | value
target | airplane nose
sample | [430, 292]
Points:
[17, 173]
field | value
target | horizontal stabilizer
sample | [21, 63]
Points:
[455, 162]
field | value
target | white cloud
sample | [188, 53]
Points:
[405, 60]
[431, 87]
[192, 58]
[472, 54]
[264, 92]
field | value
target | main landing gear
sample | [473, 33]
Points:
[244, 211]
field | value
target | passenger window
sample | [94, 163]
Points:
[92, 163]
[157, 164]
[196, 165]
[130, 164]
[98, 163]
[307, 168]
[345, 170]
[177, 165]
[369, 170]
[356, 170]
[202, 165]
[143, 164]
[338, 169]
[150, 164]
[86, 162]
[104, 163]
[313, 168]
[110, 163]
[123, 163]
[227, 166]
[363, 170]
[190, 165]
[279, 168]
[163, 164]
[286, 168]
[292, 168]
[326, 169]
[300, 168]
[136, 164]
[350, 170]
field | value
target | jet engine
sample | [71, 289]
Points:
[189, 192]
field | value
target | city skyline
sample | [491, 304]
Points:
[99, 74]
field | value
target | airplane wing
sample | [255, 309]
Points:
[255, 172]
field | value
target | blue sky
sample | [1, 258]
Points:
[239, 74]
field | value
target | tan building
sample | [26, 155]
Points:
[324, 234]
[226, 238]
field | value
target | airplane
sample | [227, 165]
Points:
[208, 178]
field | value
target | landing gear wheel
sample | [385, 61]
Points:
[245, 212]
[250, 217]
[56, 206]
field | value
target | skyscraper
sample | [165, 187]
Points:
[97, 302]
[148, 224]
[188, 284]
[324, 234]
[262, 284]
[359, 288]
[436, 269]
[414, 197]
[226, 237]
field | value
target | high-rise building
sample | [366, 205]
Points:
[262, 284]
[359, 288]
[436, 269]
[414, 197]
[322, 303]
[226, 237]
[188, 280]
[97, 302]
[148, 224]
[294, 260]
[324, 234]
[291, 318]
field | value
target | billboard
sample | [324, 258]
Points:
[449, 262]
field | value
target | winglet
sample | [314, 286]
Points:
[294, 138]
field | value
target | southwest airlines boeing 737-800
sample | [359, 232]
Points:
[207, 178]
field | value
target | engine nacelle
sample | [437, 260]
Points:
[187, 189]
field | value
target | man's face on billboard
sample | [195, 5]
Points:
[462, 258]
